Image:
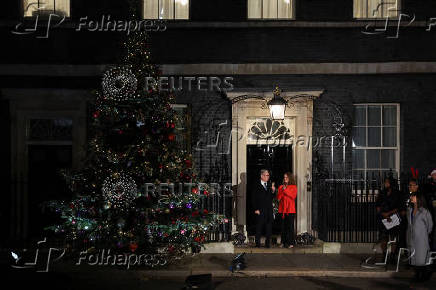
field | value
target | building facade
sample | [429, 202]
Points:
[358, 75]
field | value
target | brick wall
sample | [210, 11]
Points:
[415, 94]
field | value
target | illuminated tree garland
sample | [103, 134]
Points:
[119, 190]
[119, 83]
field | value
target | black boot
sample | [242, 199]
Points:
[426, 273]
[417, 276]
[420, 274]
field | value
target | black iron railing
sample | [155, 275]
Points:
[219, 203]
[346, 208]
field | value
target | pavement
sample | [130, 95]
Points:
[264, 271]
[259, 265]
[129, 280]
[303, 267]
[279, 265]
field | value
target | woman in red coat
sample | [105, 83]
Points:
[287, 194]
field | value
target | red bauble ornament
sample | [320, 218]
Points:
[171, 137]
[195, 190]
[133, 246]
[195, 213]
[188, 163]
[96, 114]
[205, 211]
[173, 125]
[205, 192]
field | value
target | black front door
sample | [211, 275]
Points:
[277, 160]
[46, 183]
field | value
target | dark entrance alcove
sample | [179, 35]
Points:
[46, 183]
[278, 160]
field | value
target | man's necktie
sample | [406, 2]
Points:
[264, 186]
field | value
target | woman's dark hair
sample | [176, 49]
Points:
[420, 199]
[291, 179]
[414, 180]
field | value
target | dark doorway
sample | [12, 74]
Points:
[277, 160]
[46, 183]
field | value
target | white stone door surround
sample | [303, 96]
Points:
[299, 117]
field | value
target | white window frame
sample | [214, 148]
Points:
[168, 19]
[271, 19]
[397, 147]
[24, 9]
[369, 13]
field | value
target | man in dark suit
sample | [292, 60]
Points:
[262, 198]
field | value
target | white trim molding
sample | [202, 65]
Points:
[26, 104]
[299, 118]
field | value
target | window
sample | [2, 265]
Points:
[166, 9]
[270, 9]
[46, 7]
[375, 142]
[182, 126]
[373, 9]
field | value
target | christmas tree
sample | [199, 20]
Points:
[133, 144]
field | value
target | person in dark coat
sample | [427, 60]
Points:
[388, 203]
[262, 199]
[420, 224]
